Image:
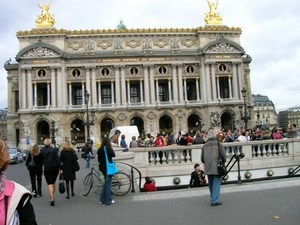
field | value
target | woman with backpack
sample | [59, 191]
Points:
[34, 163]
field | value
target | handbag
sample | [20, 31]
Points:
[221, 165]
[111, 168]
[76, 166]
[31, 163]
[61, 185]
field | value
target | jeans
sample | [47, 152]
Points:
[88, 160]
[214, 184]
[105, 197]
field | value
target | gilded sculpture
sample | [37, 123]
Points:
[213, 17]
[45, 19]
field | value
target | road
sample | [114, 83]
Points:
[261, 203]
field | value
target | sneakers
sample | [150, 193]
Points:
[216, 204]
[112, 202]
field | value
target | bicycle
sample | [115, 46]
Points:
[121, 183]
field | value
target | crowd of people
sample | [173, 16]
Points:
[201, 137]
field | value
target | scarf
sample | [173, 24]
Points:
[2, 182]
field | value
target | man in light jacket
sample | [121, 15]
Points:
[210, 157]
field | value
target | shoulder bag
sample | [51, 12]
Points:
[111, 168]
[76, 166]
[31, 163]
[221, 165]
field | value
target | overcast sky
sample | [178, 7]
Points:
[271, 34]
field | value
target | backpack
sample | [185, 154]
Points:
[31, 162]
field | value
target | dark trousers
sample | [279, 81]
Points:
[36, 181]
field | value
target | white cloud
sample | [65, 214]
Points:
[270, 32]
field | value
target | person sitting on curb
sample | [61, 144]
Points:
[149, 185]
[197, 177]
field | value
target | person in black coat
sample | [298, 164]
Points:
[34, 163]
[51, 167]
[197, 177]
[105, 197]
[67, 158]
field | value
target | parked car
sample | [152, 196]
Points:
[16, 155]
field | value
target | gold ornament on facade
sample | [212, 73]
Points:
[45, 19]
[133, 43]
[213, 17]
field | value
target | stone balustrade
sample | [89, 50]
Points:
[262, 159]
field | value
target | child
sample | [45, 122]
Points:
[149, 185]
[197, 177]
[123, 144]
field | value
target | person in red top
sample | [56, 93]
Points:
[149, 185]
[159, 141]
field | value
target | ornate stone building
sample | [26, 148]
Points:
[162, 80]
[264, 112]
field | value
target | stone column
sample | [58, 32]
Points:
[83, 88]
[23, 88]
[174, 84]
[99, 93]
[203, 82]
[117, 85]
[48, 95]
[128, 91]
[230, 87]
[53, 89]
[35, 95]
[152, 89]
[157, 90]
[112, 93]
[61, 94]
[197, 89]
[88, 84]
[170, 90]
[123, 86]
[146, 85]
[94, 87]
[29, 88]
[180, 85]
[185, 90]
[70, 93]
[213, 80]
[235, 81]
[141, 91]
[218, 87]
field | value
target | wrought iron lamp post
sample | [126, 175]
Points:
[258, 123]
[53, 133]
[88, 122]
[86, 99]
[246, 112]
[74, 131]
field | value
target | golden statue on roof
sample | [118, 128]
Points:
[45, 19]
[213, 17]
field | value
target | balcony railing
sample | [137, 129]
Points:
[165, 163]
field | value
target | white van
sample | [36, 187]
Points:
[128, 131]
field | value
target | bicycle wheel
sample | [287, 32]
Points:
[121, 184]
[87, 184]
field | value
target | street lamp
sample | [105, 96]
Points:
[246, 114]
[53, 133]
[74, 131]
[88, 122]
[200, 124]
[258, 119]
